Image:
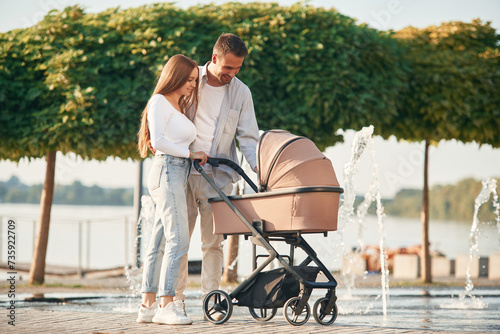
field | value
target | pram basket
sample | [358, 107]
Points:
[298, 193]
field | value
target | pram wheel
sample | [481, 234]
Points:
[289, 310]
[321, 316]
[217, 307]
[263, 314]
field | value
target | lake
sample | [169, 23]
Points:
[100, 237]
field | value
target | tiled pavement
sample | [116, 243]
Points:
[32, 320]
[52, 322]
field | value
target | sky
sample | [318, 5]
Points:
[399, 164]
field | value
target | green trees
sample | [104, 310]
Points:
[452, 93]
[451, 202]
[77, 82]
[25, 97]
[53, 100]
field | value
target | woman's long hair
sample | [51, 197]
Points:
[174, 75]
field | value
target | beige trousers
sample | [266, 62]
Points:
[198, 193]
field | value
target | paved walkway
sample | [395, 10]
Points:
[32, 320]
[37, 321]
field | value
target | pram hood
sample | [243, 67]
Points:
[285, 160]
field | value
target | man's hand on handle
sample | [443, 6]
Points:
[200, 155]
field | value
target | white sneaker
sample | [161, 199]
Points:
[180, 306]
[169, 315]
[146, 314]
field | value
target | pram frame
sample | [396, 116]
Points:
[294, 239]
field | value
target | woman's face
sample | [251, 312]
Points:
[190, 84]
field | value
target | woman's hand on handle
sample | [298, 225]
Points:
[200, 155]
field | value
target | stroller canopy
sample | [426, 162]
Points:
[286, 160]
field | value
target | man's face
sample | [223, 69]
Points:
[226, 67]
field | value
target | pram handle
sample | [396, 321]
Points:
[215, 162]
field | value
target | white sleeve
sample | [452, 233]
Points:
[159, 114]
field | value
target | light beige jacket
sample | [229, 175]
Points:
[236, 122]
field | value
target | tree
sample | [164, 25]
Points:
[47, 108]
[453, 92]
[23, 96]
[77, 82]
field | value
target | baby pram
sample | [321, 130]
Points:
[298, 193]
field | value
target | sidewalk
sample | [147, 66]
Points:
[62, 320]
[51, 322]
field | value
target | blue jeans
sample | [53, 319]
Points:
[169, 242]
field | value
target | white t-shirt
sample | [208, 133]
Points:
[171, 132]
[206, 118]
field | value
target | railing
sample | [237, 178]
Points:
[75, 244]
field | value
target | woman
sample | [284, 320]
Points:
[169, 132]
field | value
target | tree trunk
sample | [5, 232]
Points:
[231, 266]
[425, 258]
[37, 271]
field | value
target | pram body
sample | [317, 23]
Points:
[305, 209]
[298, 193]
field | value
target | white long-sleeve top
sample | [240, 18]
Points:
[171, 132]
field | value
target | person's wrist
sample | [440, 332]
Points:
[191, 156]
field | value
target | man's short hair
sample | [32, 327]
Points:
[230, 43]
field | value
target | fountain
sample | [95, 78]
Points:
[489, 188]
[362, 140]
[145, 223]
[134, 273]
[346, 211]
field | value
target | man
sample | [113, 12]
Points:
[225, 111]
